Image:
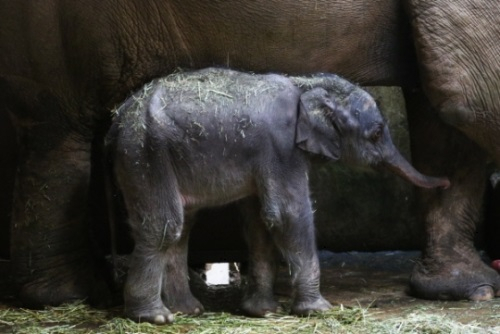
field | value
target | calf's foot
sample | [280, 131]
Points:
[259, 304]
[306, 307]
[176, 293]
[183, 303]
[156, 314]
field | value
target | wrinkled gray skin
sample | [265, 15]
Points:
[215, 136]
[65, 64]
[458, 54]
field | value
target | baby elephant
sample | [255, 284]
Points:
[210, 137]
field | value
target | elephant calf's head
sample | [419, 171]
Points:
[341, 121]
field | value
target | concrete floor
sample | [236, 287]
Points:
[375, 281]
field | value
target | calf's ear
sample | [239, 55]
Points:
[314, 132]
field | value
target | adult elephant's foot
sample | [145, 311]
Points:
[306, 307]
[65, 284]
[450, 267]
[454, 278]
[259, 304]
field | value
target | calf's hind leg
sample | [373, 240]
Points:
[259, 295]
[155, 217]
[176, 293]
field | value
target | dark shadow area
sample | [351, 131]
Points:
[8, 165]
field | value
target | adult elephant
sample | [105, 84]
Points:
[64, 65]
[457, 50]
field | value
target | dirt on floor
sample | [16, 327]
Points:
[376, 282]
[379, 282]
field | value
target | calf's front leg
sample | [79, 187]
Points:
[288, 214]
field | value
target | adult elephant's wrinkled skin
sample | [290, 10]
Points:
[64, 65]
[460, 70]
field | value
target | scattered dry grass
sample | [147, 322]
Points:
[219, 87]
[79, 318]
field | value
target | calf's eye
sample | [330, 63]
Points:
[376, 135]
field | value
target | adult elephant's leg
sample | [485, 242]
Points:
[50, 252]
[259, 295]
[176, 293]
[450, 267]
